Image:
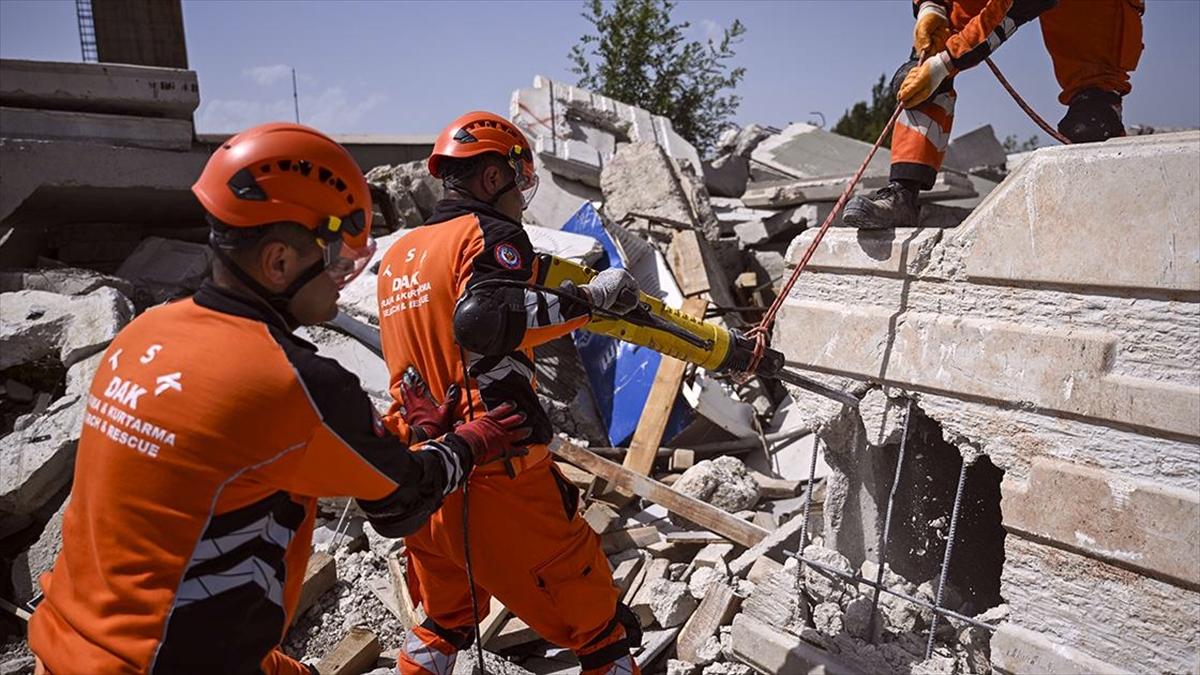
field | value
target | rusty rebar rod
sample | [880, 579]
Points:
[887, 525]
[941, 589]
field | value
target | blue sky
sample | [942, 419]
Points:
[410, 67]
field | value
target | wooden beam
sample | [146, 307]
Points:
[705, 515]
[494, 621]
[578, 477]
[775, 488]
[687, 263]
[648, 436]
[409, 615]
[319, 576]
[719, 605]
[355, 654]
[638, 537]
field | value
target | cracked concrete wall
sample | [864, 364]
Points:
[1057, 331]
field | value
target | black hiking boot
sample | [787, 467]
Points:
[892, 205]
[1093, 116]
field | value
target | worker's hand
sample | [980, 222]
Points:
[922, 81]
[496, 435]
[932, 28]
[423, 415]
[613, 290]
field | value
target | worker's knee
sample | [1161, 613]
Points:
[609, 652]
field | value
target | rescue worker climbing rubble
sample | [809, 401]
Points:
[454, 303]
[211, 430]
[1094, 45]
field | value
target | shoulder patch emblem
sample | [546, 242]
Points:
[508, 256]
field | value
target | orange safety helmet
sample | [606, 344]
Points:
[479, 132]
[283, 172]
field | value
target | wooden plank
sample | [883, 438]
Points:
[693, 537]
[772, 544]
[775, 488]
[638, 537]
[719, 605]
[494, 621]
[705, 515]
[383, 589]
[515, 632]
[319, 576]
[355, 654]
[625, 572]
[578, 477]
[687, 263]
[409, 614]
[601, 517]
[646, 438]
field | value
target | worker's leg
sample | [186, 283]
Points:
[534, 552]
[1095, 45]
[919, 142]
[439, 583]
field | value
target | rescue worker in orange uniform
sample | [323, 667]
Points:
[211, 430]
[455, 303]
[1094, 45]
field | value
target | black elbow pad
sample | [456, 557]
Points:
[391, 519]
[490, 323]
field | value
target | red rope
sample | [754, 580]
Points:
[762, 331]
[1037, 119]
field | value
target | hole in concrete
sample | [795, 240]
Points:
[921, 520]
[24, 384]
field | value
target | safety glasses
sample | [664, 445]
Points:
[343, 261]
[526, 178]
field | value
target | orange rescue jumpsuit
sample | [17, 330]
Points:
[210, 431]
[530, 546]
[1093, 44]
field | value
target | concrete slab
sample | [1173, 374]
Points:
[142, 132]
[110, 88]
[975, 149]
[576, 132]
[1019, 650]
[805, 151]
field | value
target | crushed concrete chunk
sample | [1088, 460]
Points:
[857, 617]
[818, 582]
[36, 462]
[727, 668]
[671, 603]
[35, 324]
[677, 667]
[641, 180]
[723, 482]
[63, 281]
[703, 578]
[778, 602]
[167, 268]
[827, 617]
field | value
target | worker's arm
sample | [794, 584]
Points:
[990, 28]
[497, 312]
[349, 452]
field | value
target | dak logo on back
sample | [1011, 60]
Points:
[508, 257]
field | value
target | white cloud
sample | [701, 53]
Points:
[331, 109]
[265, 76]
[711, 30]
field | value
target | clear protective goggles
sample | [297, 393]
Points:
[343, 262]
[525, 178]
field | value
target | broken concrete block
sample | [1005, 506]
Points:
[677, 667]
[722, 482]
[777, 600]
[601, 517]
[703, 579]
[727, 668]
[167, 268]
[727, 176]
[772, 650]
[976, 149]
[827, 617]
[125, 130]
[37, 461]
[713, 555]
[882, 417]
[38, 559]
[413, 190]
[144, 91]
[806, 151]
[818, 583]
[642, 181]
[576, 132]
[671, 603]
[63, 281]
[643, 600]
[35, 324]
[857, 618]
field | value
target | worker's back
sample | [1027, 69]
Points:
[177, 550]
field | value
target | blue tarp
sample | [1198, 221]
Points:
[621, 374]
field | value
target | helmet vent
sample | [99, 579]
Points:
[464, 136]
[285, 165]
[324, 175]
[265, 168]
[245, 187]
[305, 167]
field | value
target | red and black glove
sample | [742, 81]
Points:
[497, 435]
[424, 417]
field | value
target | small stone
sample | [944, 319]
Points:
[727, 668]
[857, 618]
[677, 571]
[827, 617]
[702, 579]
[708, 652]
[677, 667]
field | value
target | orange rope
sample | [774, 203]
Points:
[1037, 119]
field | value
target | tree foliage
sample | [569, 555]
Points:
[865, 120]
[1011, 144]
[637, 55]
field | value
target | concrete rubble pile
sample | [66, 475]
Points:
[921, 325]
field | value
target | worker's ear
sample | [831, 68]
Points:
[277, 265]
[491, 179]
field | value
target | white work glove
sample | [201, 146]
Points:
[931, 30]
[613, 290]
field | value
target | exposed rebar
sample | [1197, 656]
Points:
[958, 493]
[887, 525]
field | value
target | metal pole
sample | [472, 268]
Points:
[295, 96]
[808, 494]
[887, 524]
[962, 479]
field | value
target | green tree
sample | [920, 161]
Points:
[865, 120]
[1011, 144]
[637, 55]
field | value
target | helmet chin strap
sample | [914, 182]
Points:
[277, 301]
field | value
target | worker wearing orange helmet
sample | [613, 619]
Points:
[455, 303]
[1094, 45]
[210, 431]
